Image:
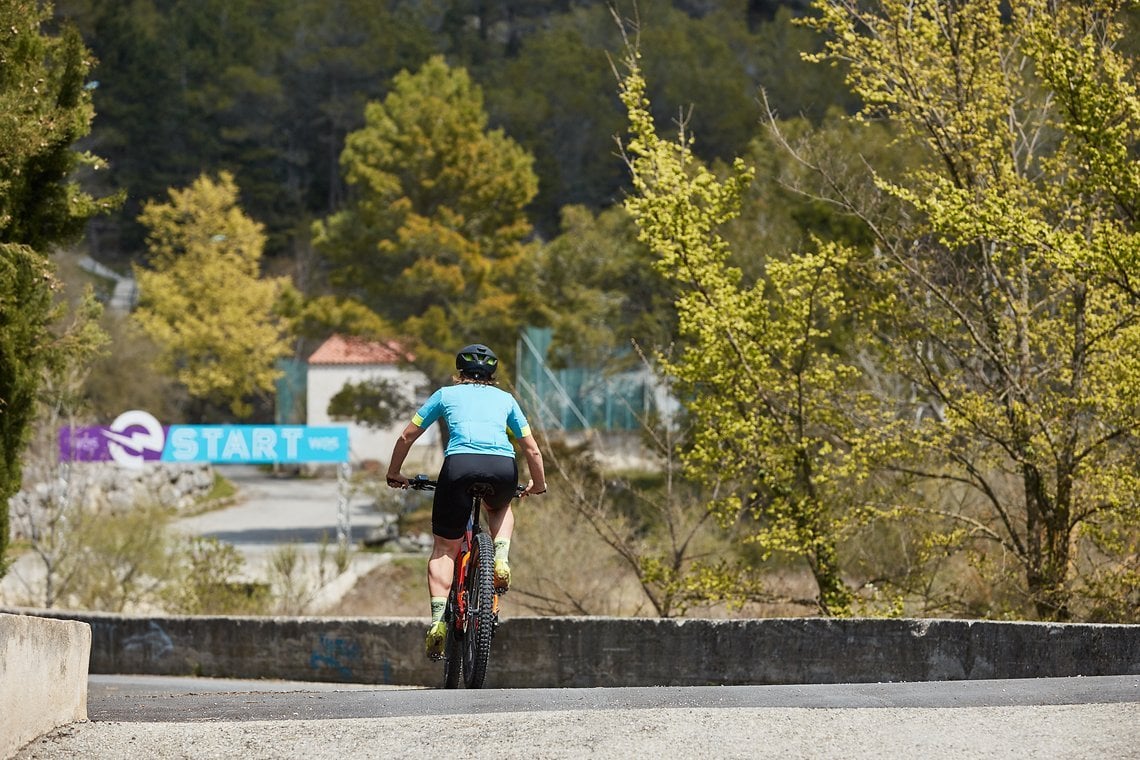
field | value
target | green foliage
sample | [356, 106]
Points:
[555, 94]
[94, 559]
[221, 490]
[599, 291]
[121, 559]
[433, 237]
[44, 109]
[207, 582]
[1015, 312]
[378, 403]
[315, 318]
[25, 313]
[800, 166]
[47, 347]
[556, 98]
[204, 302]
[268, 89]
[780, 420]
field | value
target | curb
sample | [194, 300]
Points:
[43, 677]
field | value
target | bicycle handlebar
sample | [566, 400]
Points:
[423, 483]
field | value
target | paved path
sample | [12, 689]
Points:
[1046, 718]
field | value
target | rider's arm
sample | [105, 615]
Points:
[534, 464]
[400, 453]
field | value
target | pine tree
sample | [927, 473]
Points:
[44, 109]
[434, 235]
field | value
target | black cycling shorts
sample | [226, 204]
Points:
[452, 504]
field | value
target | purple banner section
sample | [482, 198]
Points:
[92, 444]
[136, 437]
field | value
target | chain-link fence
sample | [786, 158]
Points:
[579, 398]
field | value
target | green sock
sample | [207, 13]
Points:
[502, 548]
[438, 603]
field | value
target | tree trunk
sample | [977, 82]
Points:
[1048, 544]
[834, 596]
[822, 554]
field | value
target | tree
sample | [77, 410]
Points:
[600, 293]
[341, 55]
[780, 414]
[44, 109]
[376, 403]
[555, 98]
[434, 235]
[204, 302]
[266, 89]
[1014, 263]
[658, 528]
[552, 91]
[26, 312]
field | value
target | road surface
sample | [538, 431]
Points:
[133, 716]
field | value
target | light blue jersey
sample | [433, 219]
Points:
[477, 418]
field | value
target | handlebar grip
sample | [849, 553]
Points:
[422, 483]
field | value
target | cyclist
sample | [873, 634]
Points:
[478, 416]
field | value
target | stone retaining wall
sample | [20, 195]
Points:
[593, 652]
[99, 487]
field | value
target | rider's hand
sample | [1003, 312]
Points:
[397, 481]
[529, 490]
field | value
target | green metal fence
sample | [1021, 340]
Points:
[578, 398]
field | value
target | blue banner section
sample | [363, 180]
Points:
[255, 444]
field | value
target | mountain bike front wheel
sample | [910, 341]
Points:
[480, 612]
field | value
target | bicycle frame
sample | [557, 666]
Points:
[463, 561]
[470, 624]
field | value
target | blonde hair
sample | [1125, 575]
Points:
[461, 379]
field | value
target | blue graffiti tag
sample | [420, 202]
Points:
[338, 654]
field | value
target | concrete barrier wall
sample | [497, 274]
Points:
[591, 652]
[43, 677]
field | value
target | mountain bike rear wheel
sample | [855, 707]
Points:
[452, 647]
[480, 612]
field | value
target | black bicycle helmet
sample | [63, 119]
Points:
[476, 360]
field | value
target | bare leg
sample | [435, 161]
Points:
[501, 522]
[441, 566]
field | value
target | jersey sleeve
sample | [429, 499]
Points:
[516, 421]
[430, 411]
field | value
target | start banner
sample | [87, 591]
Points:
[136, 437]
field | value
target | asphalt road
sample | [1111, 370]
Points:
[133, 716]
[271, 511]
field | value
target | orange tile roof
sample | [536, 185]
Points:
[347, 349]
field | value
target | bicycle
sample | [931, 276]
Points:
[472, 612]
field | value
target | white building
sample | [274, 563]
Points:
[342, 360]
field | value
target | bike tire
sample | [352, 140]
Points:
[480, 613]
[453, 644]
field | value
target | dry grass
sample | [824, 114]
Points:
[560, 566]
[397, 588]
